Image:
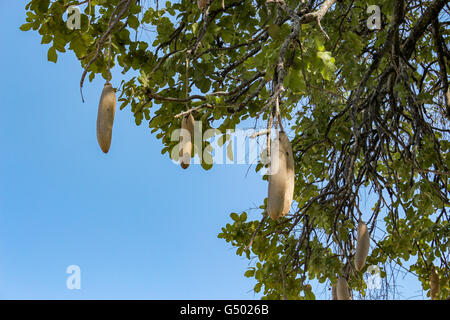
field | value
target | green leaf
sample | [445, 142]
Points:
[26, 26]
[46, 39]
[274, 32]
[249, 273]
[133, 22]
[234, 216]
[51, 55]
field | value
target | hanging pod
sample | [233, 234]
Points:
[362, 246]
[434, 283]
[105, 117]
[342, 289]
[290, 172]
[186, 136]
[281, 177]
[448, 97]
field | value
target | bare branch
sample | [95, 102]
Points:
[182, 114]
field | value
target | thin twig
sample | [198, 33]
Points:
[256, 231]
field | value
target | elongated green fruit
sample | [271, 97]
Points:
[105, 117]
[290, 172]
[186, 136]
[342, 290]
[362, 246]
[434, 283]
[277, 180]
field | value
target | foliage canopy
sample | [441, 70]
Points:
[368, 116]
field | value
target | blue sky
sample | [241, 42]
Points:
[138, 226]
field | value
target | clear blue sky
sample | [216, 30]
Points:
[137, 225]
